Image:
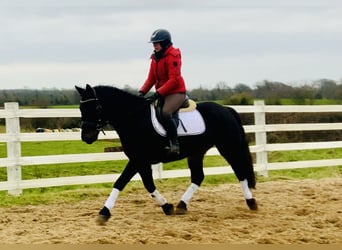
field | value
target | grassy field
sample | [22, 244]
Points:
[76, 193]
[108, 167]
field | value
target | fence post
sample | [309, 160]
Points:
[260, 137]
[13, 148]
[158, 171]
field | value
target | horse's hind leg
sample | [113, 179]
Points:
[238, 156]
[147, 178]
[195, 164]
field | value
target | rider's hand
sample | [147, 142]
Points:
[141, 94]
[152, 97]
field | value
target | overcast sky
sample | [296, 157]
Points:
[58, 44]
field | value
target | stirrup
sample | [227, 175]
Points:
[173, 148]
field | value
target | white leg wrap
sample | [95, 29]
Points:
[112, 198]
[246, 191]
[189, 193]
[158, 198]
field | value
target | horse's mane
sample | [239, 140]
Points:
[108, 90]
[114, 96]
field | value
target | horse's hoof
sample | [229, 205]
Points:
[103, 216]
[252, 204]
[181, 208]
[101, 220]
[168, 209]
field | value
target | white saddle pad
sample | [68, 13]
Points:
[192, 121]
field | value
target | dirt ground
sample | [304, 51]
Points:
[299, 211]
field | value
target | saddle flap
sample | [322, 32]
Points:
[192, 123]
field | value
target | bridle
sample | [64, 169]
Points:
[99, 124]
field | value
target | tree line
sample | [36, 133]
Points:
[270, 91]
[241, 94]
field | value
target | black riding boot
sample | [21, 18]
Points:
[171, 130]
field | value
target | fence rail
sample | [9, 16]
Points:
[14, 160]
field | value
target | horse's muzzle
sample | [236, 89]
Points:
[89, 136]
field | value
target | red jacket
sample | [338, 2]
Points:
[165, 74]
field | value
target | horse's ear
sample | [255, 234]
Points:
[89, 88]
[80, 90]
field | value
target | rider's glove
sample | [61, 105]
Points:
[140, 93]
[152, 97]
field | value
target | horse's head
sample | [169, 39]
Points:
[91, 114]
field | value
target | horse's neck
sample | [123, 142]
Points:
[121, 108]
[116, 98]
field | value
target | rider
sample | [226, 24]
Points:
[165, 75]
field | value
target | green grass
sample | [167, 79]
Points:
[74, 106]
[61, 147]
[298, 155]
[64, 148]
[285, 101]
[110, 167]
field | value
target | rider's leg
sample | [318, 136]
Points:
[171, 105]
[171, 130]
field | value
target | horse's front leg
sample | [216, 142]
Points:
[127, 174]
[145, 172]
[195, 164]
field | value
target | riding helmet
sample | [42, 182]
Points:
[160, 35]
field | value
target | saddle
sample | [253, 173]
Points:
[190, 120]
[188, 105]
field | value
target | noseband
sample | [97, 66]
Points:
[99, 124]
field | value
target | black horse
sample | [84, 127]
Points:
[130, 116]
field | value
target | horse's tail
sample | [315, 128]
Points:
[246, 152]
[238, 119]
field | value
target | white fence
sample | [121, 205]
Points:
[14, 160]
